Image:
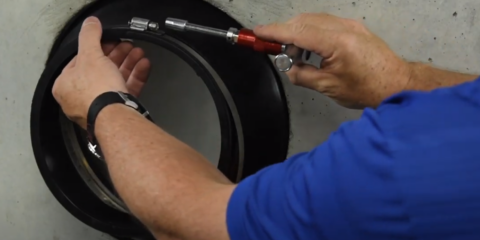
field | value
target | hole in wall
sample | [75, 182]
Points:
[180, 102]
[256, 93]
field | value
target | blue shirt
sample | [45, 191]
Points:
[408, 170]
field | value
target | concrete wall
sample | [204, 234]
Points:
[445, 32]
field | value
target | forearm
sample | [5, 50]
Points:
[164, 182]
[425, 77]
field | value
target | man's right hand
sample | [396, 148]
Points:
[358, 69]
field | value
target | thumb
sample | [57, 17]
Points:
[90, 36]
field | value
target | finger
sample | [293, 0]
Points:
[139, 77]
[90, 36]
[120, 53]
[285, 32]
[108, 47]
[275, 31]
[131, 61]
[301, 34]
[307, 76]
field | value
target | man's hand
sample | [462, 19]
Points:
[358, 70]
[98, 69]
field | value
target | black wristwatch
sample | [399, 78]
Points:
[104, 100]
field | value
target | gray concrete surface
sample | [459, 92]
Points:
[445, 32]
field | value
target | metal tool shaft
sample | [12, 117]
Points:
[286, 55]
[206, 30]
[185, 26]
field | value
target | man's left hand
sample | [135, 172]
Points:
[97, 69]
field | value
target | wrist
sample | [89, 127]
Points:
[102, 106]
[418, 75]
[396, 80]
[114, 112]
[424, 77]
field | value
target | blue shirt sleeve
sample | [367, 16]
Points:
[342, 189]
[408, 170]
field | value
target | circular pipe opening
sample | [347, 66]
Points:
[94, 171]
[255, 89]
[180, 102]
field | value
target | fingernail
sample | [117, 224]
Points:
[259, 26]
[91, 20]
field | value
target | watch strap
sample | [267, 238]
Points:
[106, 99]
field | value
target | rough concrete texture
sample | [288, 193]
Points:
[444, 32]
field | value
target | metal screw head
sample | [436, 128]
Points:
[153, 26]
[283, 62]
